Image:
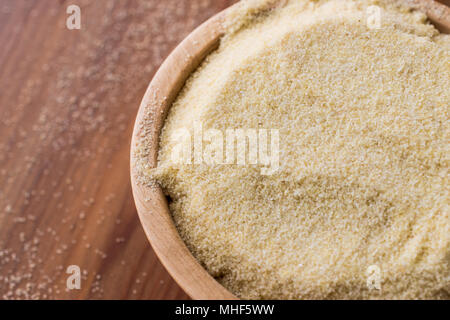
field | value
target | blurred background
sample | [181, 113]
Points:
[68, 101]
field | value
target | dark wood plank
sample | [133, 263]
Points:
[68, 100]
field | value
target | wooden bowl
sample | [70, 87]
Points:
[150, 201]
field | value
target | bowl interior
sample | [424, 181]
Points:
[150, 201]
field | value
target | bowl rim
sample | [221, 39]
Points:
[151, 203]
[163, 89]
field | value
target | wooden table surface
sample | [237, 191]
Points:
[68, 101]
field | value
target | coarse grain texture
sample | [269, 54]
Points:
[363, 177]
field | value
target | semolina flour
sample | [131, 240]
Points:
[362, 184]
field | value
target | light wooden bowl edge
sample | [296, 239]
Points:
[150, 201]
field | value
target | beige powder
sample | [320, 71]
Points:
[364, 144]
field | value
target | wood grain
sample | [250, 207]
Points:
[68, 101]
